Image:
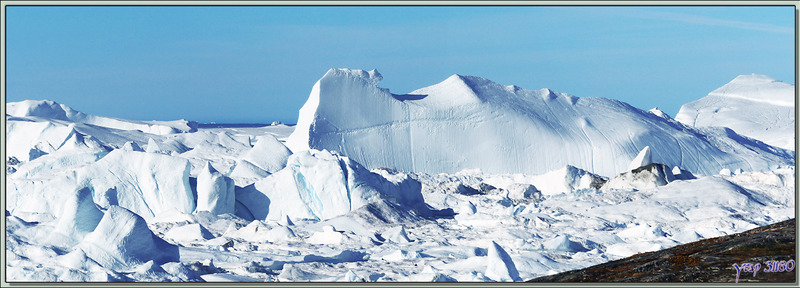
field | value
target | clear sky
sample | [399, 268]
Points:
[258, 64]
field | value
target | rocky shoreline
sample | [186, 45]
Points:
[709, 260]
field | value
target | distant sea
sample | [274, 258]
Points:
[231, 125]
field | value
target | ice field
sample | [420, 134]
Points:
[465, 180]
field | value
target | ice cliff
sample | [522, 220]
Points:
[468, 122]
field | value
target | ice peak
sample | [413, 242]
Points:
[482, 86]
[500, 266]
[645, 157]
[459, 80]
[455, 77]
[152, 146]
[659, 113]
[455, 90]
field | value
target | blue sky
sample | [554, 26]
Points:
[258, 64]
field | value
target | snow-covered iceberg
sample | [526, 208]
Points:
[144, 183]
[215, 192]
[321, 185]
[53, 110]
[468, 122]
[122, 240]
[756, 106]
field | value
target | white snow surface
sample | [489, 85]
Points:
[87, 203]
[755, 106]
[468, 122]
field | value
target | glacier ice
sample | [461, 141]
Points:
[78, 217]
[500, 266]
[180, 271]
[215, 192]
[756, 106]
[328, 236]
[644, 158]
[564, 243]
[32, 139]
[86, 204]
[122, 240]
[468, 122]
[189, 232]
[168, 147]
[147, 184]
[245, 173]
[53, 110]
[559, 181]
[519, 191]
[268, 154]
[397, 235]
[400, 255]
[132, 146]
[321, 185]
[142, 182]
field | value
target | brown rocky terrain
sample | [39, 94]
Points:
[709, 260]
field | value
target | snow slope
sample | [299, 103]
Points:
[468, 122]
[756, 106]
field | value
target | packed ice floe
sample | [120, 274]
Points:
[91, 199]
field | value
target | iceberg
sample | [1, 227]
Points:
[122, 241]
[468, 122]
[215, 192]
[52, 110]
[755, 106]
[321, 185]
[499, 265]
[269, 154]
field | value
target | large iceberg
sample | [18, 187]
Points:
[52, 110]
[756, 106]
[468, 122]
